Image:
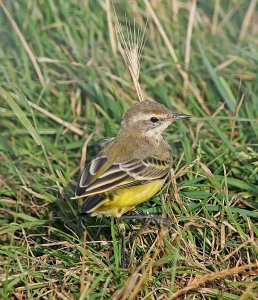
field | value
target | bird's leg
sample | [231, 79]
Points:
[149, 218]
[141, 230]
[158, 218]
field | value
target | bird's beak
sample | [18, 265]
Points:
[179, 116]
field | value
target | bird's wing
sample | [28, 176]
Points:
[97, 179]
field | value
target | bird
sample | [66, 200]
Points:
[132, 167]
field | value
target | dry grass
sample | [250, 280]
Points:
[64, 88]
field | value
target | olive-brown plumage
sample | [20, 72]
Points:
[133, 166]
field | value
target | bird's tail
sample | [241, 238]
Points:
[91, 203]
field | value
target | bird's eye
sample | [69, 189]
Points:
[154, 120]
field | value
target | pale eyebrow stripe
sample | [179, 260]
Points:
[147, 117]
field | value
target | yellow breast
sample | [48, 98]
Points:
[122, 200]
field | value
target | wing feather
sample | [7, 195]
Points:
[93, 167]
[97, 179]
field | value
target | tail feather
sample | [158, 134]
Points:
[91, 203]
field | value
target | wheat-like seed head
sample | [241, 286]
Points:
[131, 44]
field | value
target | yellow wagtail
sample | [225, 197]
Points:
[133, 166]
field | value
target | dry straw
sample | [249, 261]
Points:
[131, 43]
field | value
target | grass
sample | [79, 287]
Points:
[63, 82]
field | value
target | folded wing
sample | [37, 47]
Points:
[98, 179]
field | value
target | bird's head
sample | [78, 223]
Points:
[149, 118]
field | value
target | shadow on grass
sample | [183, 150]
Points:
[70, 221]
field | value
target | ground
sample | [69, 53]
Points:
[63, 90]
